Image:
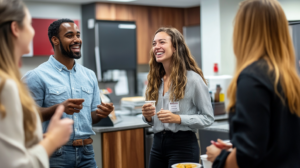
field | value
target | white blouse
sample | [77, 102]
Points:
[14, 153]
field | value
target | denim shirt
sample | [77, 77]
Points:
[52, 83]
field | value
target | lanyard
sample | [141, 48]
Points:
[162, 105]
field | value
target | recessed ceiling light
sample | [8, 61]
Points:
[122, 0]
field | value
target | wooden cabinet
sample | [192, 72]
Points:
[192, 16]
[123, 149]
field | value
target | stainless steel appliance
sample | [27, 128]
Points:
[192, 38]
[295, 33]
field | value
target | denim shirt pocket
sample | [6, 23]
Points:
[57, 94]
[87, 95]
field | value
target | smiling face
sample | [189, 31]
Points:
[162, 47]
[70, 41]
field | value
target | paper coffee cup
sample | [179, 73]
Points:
[205, 162]
[152, 102]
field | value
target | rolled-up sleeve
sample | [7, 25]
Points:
[201, 99]
[35, 87]
[13, 151]
[150, 123]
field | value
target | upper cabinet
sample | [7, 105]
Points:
[192, 16]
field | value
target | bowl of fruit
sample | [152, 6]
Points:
[186, 165]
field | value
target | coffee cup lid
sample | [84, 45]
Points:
[203, 156]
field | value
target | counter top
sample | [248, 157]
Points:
[222, 126]
[133, 122]
[127, 122]
[221, 117]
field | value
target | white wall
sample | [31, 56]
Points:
[210, 35]
[291, 9]
[53, 11]
[217, 21]
[228, 11]
[216, 35]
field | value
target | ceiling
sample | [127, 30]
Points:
[167, 3]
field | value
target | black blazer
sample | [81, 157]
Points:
[262, 128]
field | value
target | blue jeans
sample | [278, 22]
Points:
[169, 148]
[73, 157]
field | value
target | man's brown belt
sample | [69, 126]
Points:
[80, 142]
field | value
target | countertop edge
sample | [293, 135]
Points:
[111, 129]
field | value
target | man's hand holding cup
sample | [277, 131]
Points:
[73, 106]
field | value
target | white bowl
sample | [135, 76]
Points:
[198, 165]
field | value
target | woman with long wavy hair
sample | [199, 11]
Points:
[177, 85]
[264, 93]
[21, 141]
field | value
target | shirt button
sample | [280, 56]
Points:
[73, 88]
[57, 92]
[75, 129]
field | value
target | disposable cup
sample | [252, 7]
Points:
[152, 102]
[205, 162]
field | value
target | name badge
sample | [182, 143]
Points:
[174, 106]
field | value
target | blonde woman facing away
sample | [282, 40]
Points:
[183, 103]
[21, 140]
[264, 93]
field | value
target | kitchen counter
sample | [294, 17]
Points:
[221, 117]
[132, 122]
[127, 122]
[131, 125]
[222, 126]
[122, 143]
[218, 130]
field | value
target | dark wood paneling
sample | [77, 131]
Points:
[123, 149]
[192, 16]
[148, 20]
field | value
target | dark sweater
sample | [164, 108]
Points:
[262, 129]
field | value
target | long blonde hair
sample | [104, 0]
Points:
[14, 10]
[261, 31]
[182, 60]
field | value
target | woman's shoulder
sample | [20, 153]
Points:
[258, 71]
[257, 68]
[9, 86]
[9, 95]
[193, 77]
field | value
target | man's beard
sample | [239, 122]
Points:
[70, 54]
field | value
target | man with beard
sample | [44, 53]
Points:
[61, 80]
